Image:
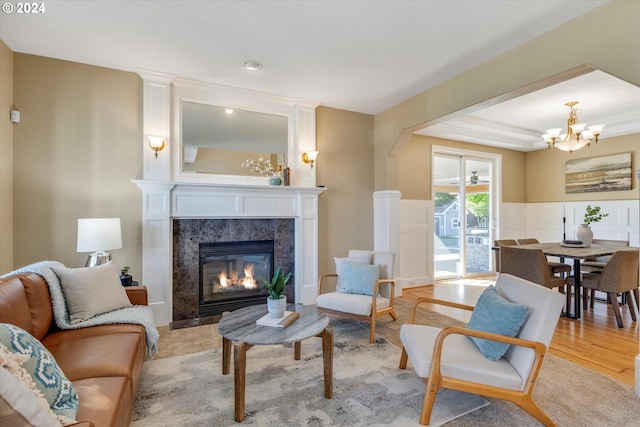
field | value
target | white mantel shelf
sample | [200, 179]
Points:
[164, 201]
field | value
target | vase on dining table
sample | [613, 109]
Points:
[585, 235]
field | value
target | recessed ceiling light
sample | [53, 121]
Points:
[252, 65]
[229, 111]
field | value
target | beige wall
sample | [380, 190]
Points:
[414, 168]
[545, 171]
[345, 168]
[601, 39]
[6, 159]
[76, 150]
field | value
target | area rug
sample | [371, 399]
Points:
[368, 389]
[570, 394]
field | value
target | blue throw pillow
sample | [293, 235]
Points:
[493, 313]
[358, 278]
[45, 372]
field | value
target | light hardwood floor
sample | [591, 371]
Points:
[594, 341]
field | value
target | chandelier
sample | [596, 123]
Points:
[576, 137]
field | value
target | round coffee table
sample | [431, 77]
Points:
[240, 327]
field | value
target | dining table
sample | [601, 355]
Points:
[577, 253]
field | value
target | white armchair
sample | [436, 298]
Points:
[365, 301]
[447, 358]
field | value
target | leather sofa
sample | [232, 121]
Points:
[102, 362]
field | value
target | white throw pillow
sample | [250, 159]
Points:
[90, 291]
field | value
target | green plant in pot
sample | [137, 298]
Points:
[276, 302]
[591, 216]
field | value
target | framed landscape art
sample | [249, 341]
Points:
[604, 173]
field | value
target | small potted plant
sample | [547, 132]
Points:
[276, 302]
[125, 277]
[591, 216]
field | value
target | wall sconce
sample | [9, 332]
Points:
[309, 157]
[156, 143]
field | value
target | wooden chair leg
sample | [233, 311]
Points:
[585, 298]
[616, 308]
[532, 408]
[404, 357]
[631, 303]
[372, 332]
[593, 297]
[429, 400]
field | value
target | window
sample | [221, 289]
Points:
[455, 223]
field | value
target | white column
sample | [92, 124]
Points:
[156, 248]
[386, 228]
[303, 127]
[306, 241]
[156, 118]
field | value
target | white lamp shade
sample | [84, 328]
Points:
[156, 141]
[99, 234]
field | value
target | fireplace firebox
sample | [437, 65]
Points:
[230, 274]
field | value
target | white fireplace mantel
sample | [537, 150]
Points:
[163, 201]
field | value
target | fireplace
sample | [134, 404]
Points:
[230, 274]
[204, 248]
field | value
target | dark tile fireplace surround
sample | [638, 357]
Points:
[188, 234]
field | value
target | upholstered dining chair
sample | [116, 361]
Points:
[362, 287]
[619, 275]
[499, 244]
[596, 264]
[529, 264]
[555, 267]
[500, 366]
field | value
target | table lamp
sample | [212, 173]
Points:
[97, 235]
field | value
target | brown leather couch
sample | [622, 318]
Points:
[103, 362]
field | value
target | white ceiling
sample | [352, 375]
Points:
[362, 56]
[518, 124]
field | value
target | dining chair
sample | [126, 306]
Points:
[596, 264]
[483, 359]
[499, 244]
[619, 275]
[555, 267]
[362, 287]
[530, 264]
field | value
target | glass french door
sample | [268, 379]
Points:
[463, 215]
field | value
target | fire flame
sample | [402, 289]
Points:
[247, 281]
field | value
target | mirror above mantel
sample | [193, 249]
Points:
[209, 144]
[217, 140]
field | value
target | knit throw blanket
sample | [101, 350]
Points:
[137, 314]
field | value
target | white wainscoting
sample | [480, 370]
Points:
[544, 220]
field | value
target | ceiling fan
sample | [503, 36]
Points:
[475, 179]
